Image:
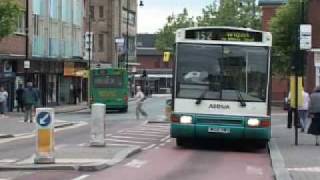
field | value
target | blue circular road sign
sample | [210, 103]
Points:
[43, 119]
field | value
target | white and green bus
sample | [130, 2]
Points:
[221, 84]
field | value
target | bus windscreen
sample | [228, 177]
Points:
[108, 81]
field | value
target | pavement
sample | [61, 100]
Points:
[291, 162]
[81, 158]
[15, 126]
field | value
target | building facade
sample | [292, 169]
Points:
[50, 54]
[159, 73]
[312, 57]
[112, 22]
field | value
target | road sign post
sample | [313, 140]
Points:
[98, 112]
[45, 136]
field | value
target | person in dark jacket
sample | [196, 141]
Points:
[30, 99]
[19, 97]
[314, 113]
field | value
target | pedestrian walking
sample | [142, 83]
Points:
[3, 100]
[30, 99]
[140, 97]
[19, 98]
[314, 111]
[303, 111]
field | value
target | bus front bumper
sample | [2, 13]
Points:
[215, 131]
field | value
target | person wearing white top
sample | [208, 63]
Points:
[303, 111]
[3, 100]
[140, 97]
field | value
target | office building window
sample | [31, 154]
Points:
[21, 24]
[101, 11]
[131, 15]
[91, 12]
[101, 42]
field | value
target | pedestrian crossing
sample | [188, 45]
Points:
[147, 136]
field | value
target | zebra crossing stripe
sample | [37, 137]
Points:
[155, 130]
[131, 137]
[146, 132]
[142, 134]
[125, 141]
[305, 169]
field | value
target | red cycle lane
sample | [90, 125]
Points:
[172, 163]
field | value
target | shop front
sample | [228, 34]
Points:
[73, 83]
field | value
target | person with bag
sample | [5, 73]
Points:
[30, 99]
[3, 100]
[140, 98]
[314, 113]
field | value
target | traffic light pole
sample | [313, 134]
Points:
[298, 71]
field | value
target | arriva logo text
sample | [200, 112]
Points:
[219, 106]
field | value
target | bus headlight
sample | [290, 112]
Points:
[253, 122]
[186, 119]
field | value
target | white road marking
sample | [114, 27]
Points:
[146, 132]
[140, 134]
[81, 177]
[8, 160]
[125, 141]
[168, 141]
[135, 163]
[131, 137]
[27, 136]
[254, 170]
[156, 126]
[149, 147]
[108, 134]
[153, 130]
[165, 138]
[305, 169]
[163, 144]
[118, 144]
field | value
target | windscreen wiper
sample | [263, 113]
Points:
[200, 98]
[241, 100]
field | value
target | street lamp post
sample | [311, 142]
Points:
[127, 36]
[298, 62]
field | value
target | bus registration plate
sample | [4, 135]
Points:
[218, 130]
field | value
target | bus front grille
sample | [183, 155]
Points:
[220, 122]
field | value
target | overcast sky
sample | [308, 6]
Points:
[152, 16]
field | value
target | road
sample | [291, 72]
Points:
[160, 158]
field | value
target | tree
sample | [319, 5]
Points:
[236, 13]
[284, 26]
[9, 13]
[166, 36]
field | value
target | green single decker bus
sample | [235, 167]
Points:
[110, 87]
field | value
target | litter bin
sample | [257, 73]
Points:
[168, 109]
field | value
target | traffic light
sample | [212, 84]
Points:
[166, 56]
[88, 45]
[144, 73]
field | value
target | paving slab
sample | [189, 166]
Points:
[82, 158]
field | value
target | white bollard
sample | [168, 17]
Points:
[98, 112]
[45, 136]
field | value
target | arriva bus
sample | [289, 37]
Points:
[222, 85]
[110, 87]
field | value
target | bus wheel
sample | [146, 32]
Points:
[181, 142]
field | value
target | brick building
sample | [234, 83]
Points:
[109, 22]
[312, 58]
[151, 60]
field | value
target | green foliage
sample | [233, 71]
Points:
[165, 38]
[284, 28]
[9, 13]
[236, 13]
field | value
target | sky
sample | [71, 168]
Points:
[152, 16]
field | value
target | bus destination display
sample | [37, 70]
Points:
[224, 35]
